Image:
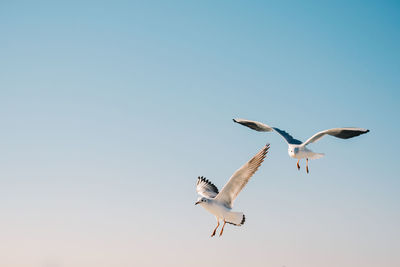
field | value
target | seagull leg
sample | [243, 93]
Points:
[298, 166]
[222, 230]
[215, 230]
[307, 165]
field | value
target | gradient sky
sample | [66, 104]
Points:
[111, 109]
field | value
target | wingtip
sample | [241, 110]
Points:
[234, 120]
[264, 151]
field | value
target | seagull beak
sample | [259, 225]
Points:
[198, 202]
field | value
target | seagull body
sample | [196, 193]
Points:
[301, 152]
[222, 212]
[220, 203]
[298, 149]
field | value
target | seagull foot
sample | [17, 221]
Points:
[307, 169]
[298, 166]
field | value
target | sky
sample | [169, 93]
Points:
[110, 110]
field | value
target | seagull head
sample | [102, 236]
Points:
[201, 200]
[293, 151]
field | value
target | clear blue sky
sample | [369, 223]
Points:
[111, 109]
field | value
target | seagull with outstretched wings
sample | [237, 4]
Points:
[220, 203]
[298, 149]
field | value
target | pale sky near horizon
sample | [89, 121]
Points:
[111, 109]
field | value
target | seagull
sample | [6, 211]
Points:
[298, 149]
[220, 203]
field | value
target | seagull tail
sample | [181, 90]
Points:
[235, 218]
[317, 156]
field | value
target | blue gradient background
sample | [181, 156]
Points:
[111, 109]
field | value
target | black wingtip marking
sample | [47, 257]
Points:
[350, 133]
[204, 180]
[234, 120]
[243, 220]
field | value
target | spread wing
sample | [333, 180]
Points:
[261, 127]
[255, 125]
[205, 188]
[288, 138]
[343, 133]
[240, 178]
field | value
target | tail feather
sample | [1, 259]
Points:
[317, 156]
[236, 218]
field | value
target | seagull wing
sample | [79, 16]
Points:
[255, 125]
[240, 178]
[343, 133]
[205, 188]
[288, 138]
[261, 127]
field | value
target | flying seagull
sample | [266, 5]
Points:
[220, 203]
[298, 149]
